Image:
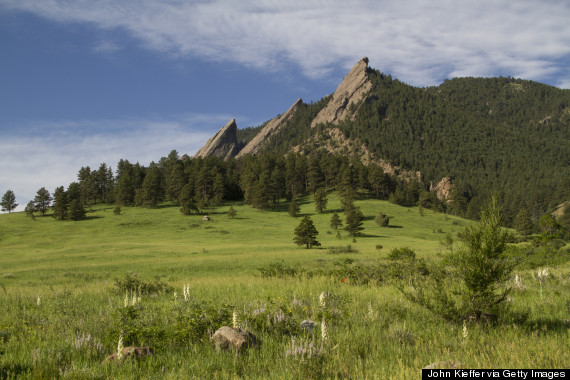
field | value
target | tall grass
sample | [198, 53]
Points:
[81, 271]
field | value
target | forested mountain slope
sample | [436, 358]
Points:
[490, 135]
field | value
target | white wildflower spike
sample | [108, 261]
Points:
[322, 299]
[120, 347]
[542, 275]
[38, 301]
[175, 296]
[186, 292]
[518, 282]
[465, 332]
[324, 334]
[235, 320]
[126, 301]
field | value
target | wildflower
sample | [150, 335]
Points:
[344, 279]
[235, 320]
[324, 334]
[542, 275]
[126, 301]
[322, 299]
[120, 347]
[518, 282]
[186, 291]
[38, 301]
[175, 296]
[465, 332]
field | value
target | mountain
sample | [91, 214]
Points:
[485, 136]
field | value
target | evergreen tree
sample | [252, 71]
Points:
[482, 265]
[42, 200]
[320, 200]
[550, 228]
[59, 204]
[336, 222]
[232, 212]
[187, 202]
[150, 194]
[293, 208]
[523, 222]
[353, 221]
[9, 201]
[306, 233]
[76, 210]
[30, 209]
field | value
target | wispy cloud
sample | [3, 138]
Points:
[419, 41]
[29, 163]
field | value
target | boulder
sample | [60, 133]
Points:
[130, 352]
[231, 338]
[308, 325]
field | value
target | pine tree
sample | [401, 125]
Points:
[59, 204]
[42, 200]
[306, 233]
[382, 220]
[232, 212]
[320, 200]
[336, 222]
[187, 202]
[76, 210]
[293, 208]
[9, 201]
[353, 221]
[523, 222]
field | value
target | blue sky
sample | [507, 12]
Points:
[90, 81]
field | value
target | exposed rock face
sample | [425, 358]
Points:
[352, 90]
[442, 189]
[224, 144]
[559, 211]
[231, 338]
[272, 127]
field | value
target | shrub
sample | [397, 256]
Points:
[131, 283]
[403, 253]
[382, 220]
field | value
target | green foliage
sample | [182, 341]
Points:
[523, 222]
[9, 201]
[42, 200]
[335, 222]
[131, 283]
[342, 250]
[320, 200]
[306, 233]
[77, 211]
[117, 210]
[403, 253]
[232, 212]
[353, 221]
[60, 205]
[550, 228]
[197, 320]
[293, 208]
[382, 219]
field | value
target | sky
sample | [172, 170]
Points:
[89, 81]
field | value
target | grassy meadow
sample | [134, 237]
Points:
[67, 293]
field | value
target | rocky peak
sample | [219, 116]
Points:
[352, 90]
[442, 189]
[224, 144]
[271, 128]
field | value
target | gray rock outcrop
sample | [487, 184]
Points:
[352, 90]
[271, 128]
[231, 338]
[224, 144]
[442, 189]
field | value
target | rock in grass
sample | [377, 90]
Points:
[445, 365]
[231, 338]
[130, 352]
[308, 325]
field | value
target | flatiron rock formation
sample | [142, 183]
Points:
[271, 128]
[353, 89]
[223, 145]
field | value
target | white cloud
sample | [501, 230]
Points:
[419, 41]
[29, 162]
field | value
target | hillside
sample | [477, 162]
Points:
[489, 135]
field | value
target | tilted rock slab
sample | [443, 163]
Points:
[271, 128]
[353, 89]
[224, 144]
[231, 338]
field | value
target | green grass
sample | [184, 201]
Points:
[373, 331]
